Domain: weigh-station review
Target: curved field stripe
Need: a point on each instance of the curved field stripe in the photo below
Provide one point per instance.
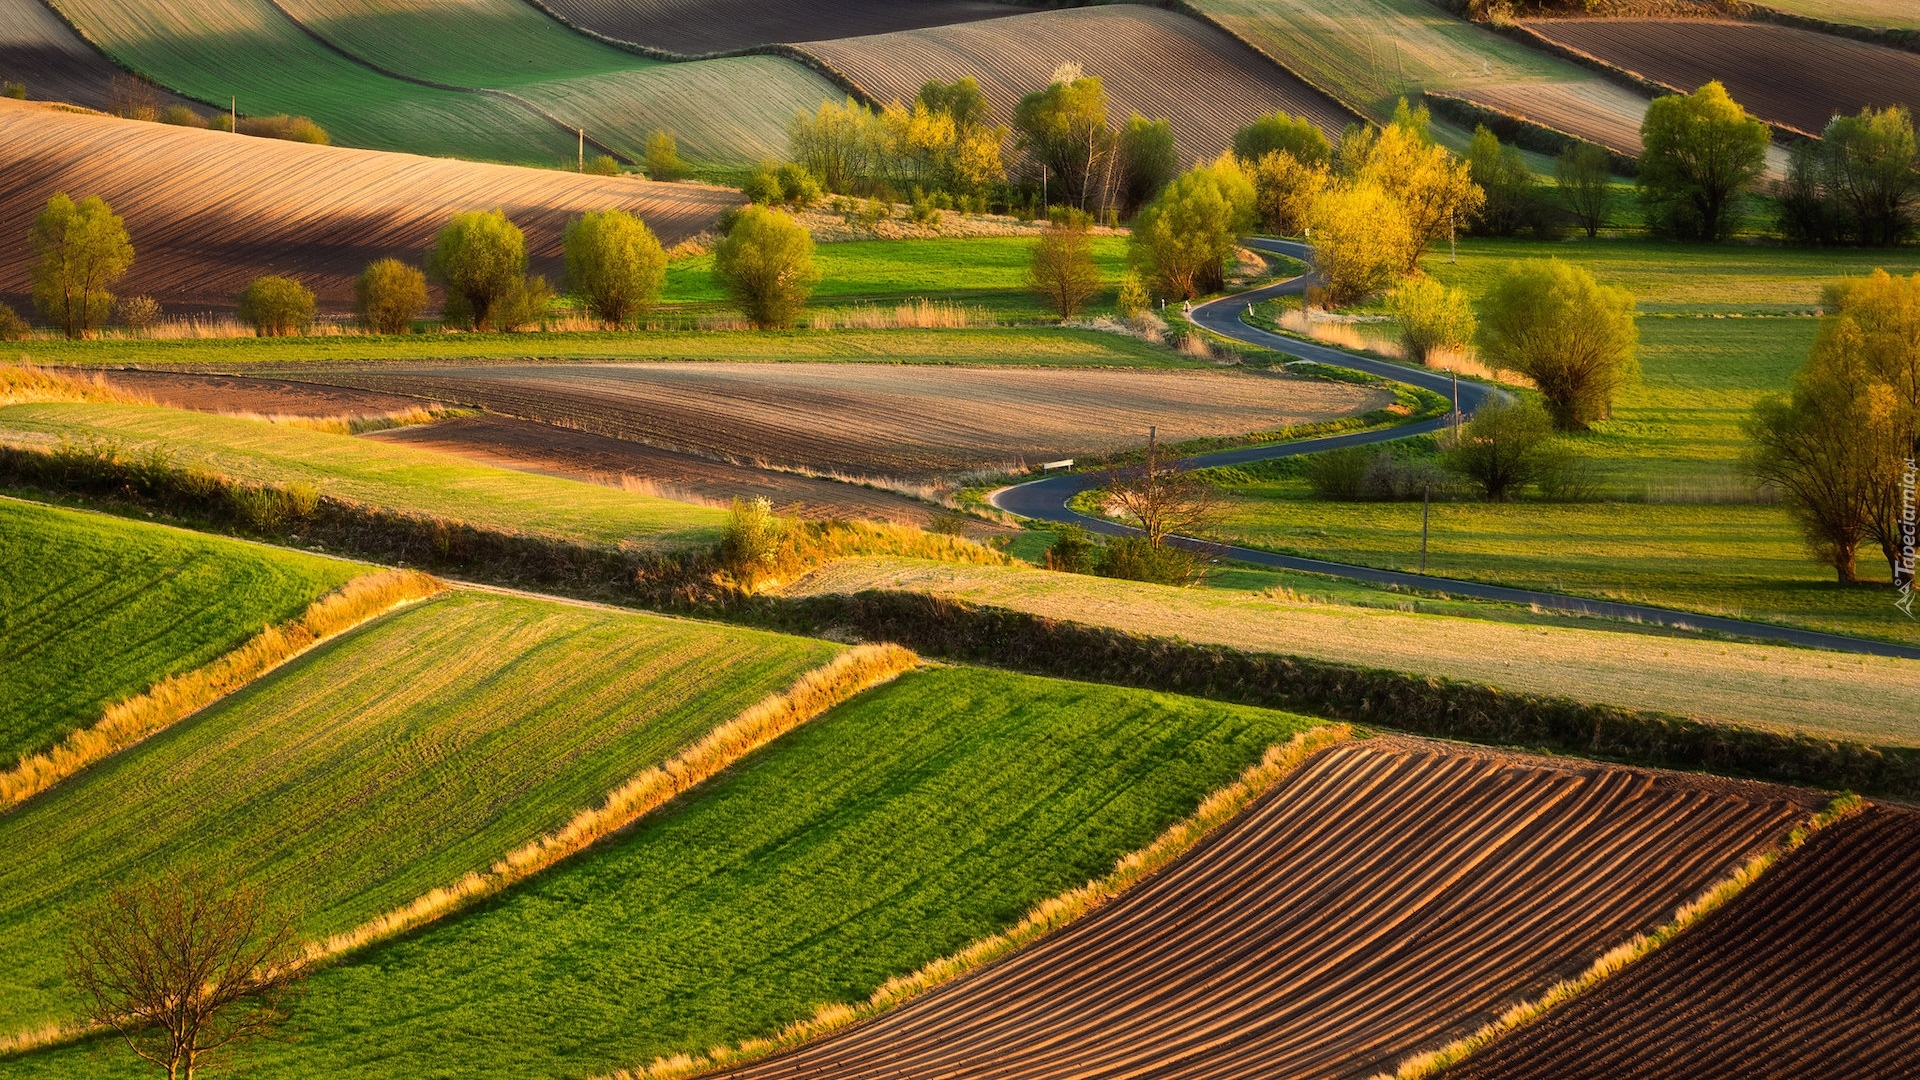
(1809, 974)
(1377, 901)
(209, 211)
(38, 49)
(1154, 62)
(703, 27)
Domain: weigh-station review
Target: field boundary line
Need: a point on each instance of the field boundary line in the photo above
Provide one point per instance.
(852, 672)
(1690, 914)
(1049, 915)
(177, 697)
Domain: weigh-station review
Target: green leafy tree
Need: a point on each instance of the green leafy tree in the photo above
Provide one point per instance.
(1285, 189)
(766, 264)
(1182, 241)
(1585, 175)
(663, 158)
(1297, 137)
(1870, 171)
(960, 100)
(1360, 240)
(1506, 446)
(1575, 338)
(389, 295)
(277, 306)
(1148, 161)
(1511, 202)
(1431, 317)
(1063, 270)
(1435, 190)
(81, 250)
(481, 257)
(1064, 129)
(840, 143)
(1702, 154)
(616, 265)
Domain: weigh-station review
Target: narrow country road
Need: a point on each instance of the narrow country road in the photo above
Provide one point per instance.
(1047, 499)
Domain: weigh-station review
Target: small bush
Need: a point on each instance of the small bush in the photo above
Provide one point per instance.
(182, 116)
(923, 211)
(481, 257)
(752, 540)
(133, 98)
(1133, 300)
(663, 158)
(1431, 318)
(1505, 447)
(12, 326)
(277, 306)
(138, 312)
(298, 129)
(16, 90)
(1134, 558)
(948, 522)
(603, 165)
(615, 264)
(524, 307)
(1338, 475)
(1073, 550)
(763, 185)
(389, 295)
(798, 188)
(766, 265)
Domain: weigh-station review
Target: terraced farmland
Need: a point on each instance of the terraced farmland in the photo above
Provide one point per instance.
(1375, 903)
(209, 211)
(94, 609)
(1794, 78)
(391, 762)
(699, 27)
(879, 419)
(1015, 55)
(1809, 974)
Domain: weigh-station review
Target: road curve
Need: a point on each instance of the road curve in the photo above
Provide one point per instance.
(1046, 499)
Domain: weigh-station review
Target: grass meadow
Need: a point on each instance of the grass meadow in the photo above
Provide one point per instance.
(379, 766)
(94, 609)
(919, 817)
(379, 474)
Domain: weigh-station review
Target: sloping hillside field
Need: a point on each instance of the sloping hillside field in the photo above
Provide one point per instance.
(209, 211)
(1155, 62)
(697, 27)
(1376, 902)
(1813, 973)
(1795, 78)
(37, 49)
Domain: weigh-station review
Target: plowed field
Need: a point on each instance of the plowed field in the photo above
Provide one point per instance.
(210, 211)
(1158, 63)
(1380, 900)
(697, 27)
(38, 49)
(1795, 78)
(877, 419)
(1813, 973)
(1599, 112)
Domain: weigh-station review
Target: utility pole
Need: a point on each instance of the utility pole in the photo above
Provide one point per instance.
(583, 149)
(233, 113)
(1426, 501)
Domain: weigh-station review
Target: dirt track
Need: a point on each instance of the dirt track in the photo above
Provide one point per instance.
(1813, 973)
(1382, 900)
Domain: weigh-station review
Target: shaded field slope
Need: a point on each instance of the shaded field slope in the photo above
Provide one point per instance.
(1794, 78)
(95, 609)
(37, 49)
(392, 761)
(893, 830)
(1381, 899)
(697, 27)
(1810, 974)
(209, 211)
(1159, 63)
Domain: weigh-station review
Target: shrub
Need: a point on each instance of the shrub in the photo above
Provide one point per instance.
(524, 307)
(277, 306)
(138, 312)
(798, 188)
(1183, 240)
(1506, 446)
(1339, 475)
(1575, 338)
(1299, 138)
(1512, 202)
(1063, 271)
(763, 185)
(1135, 558)
(1073, 550)
(603, 165)
(16, 90)
(1133, 300)
(133, 98)
(289, 128)
(12, 326)
(1702, 154)
(663, 158)
(182, 116)
(81, 249)
(751, 542)
(766, 264)
(481, 257)
(1431, 318)
(616, 265)
(389, 295)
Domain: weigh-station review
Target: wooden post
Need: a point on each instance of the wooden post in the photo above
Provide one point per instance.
(1426, 500)
(233, 113)
(583, 149)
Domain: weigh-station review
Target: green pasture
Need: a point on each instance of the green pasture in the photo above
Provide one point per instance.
(919, 817)
(379, 766)
(393, 477)
(95, 609)
(1892, 14)
(499, 44)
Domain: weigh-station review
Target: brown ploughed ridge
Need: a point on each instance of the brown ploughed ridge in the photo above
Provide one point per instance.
(698, 27)
(1795, 78)
(1384, 899)
(1158, 63)
(1813, 973)
(209, 211)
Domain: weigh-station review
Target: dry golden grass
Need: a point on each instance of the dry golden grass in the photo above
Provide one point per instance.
(175, 698)
(353, 423)
(25, 384)
(918, 314)
(1047, 916)
(813, 694)
(1709, 900)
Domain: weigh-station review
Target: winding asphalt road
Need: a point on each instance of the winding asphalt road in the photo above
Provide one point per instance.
(1047, 499)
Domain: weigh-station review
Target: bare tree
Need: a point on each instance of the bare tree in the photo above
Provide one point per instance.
(1163, 497)
(184, 967)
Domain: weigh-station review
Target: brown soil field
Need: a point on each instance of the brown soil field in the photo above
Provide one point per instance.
(1813, 973)
(1596, 111)
(38, 49)
(1794, 78)
(699, 27)
(1384, 898)
(209, 211)
(268, 397)
(878, 420)
(1155, 62)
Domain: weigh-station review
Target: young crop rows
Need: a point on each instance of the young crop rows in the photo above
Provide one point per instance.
(699, 27)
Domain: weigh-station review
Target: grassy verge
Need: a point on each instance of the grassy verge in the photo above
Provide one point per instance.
(369, 771)
(893, 831)
(96, 609)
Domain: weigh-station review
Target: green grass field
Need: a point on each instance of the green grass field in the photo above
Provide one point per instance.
(918, 817)
(94, 609)
(380, 474)
(380, 765)
(987, 345)
(988, 273)
(1896, 14)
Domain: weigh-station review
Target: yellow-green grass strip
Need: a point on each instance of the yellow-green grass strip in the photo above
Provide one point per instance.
(179, 696)
(1710, 899)
(1051, 914)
